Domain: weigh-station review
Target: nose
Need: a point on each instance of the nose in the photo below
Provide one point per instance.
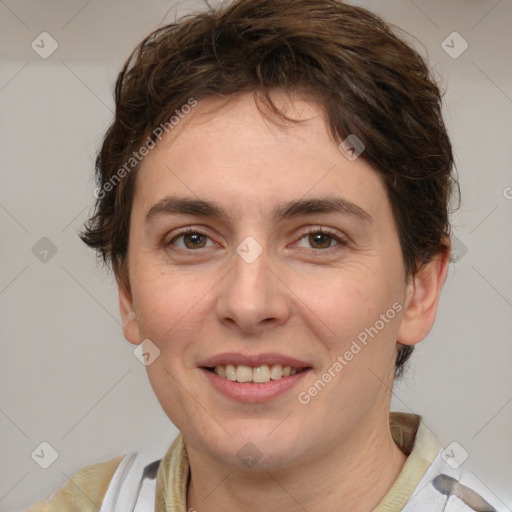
(252, 298)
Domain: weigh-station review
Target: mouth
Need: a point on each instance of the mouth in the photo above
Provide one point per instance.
(254, 374)
(254, 378)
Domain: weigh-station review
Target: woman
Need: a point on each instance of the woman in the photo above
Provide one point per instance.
(273, 198)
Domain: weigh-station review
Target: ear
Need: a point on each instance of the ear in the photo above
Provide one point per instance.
(422, 297)
(130, 327)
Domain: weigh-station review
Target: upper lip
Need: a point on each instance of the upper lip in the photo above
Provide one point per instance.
(254, 360)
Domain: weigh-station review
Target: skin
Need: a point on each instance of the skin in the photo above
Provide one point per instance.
(305, 297)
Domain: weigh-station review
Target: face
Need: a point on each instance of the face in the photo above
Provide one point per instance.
(256, 247)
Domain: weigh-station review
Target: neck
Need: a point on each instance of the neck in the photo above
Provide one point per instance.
(353, 476)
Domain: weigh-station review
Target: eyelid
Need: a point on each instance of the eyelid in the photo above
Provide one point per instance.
(322, 229)
(184, 231)
(341, 239)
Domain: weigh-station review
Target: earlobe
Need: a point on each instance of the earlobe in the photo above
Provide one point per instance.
(422, 299)
(130, 326)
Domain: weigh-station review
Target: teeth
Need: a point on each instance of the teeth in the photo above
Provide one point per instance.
(230, 372)
(259, 374)
(243, 373)
(276, 371)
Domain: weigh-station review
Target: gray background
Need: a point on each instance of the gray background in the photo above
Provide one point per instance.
(68, 376)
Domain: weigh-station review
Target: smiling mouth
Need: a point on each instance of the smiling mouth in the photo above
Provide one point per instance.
(257, 375)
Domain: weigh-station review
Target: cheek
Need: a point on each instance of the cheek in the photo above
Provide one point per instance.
(345, 300)
(169, 306)
(353, 311)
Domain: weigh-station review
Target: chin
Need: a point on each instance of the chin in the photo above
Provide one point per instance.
(262, 447)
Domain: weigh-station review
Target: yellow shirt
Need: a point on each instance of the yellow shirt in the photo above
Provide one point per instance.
(87, 487)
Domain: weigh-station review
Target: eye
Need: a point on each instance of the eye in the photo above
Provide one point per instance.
(321, 238)
(191, 239)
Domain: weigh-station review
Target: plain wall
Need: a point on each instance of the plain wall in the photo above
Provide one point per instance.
(69, 378)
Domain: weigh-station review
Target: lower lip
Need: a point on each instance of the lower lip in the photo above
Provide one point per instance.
(253, 392)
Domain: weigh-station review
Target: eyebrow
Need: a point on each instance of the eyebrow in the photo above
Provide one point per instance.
(174, 205)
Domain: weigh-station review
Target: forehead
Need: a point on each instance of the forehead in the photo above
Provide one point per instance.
(242, 122)
(230, 152)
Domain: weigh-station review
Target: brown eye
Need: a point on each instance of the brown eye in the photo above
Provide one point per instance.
(320, 240)
(190, 239)
(194, 240)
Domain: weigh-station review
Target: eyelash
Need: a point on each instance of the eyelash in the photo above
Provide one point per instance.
(325, 231)
(310, 231)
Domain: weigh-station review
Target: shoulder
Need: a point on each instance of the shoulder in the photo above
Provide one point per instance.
(83, 492)
(466, 492)
(440, 478)
(446, 486)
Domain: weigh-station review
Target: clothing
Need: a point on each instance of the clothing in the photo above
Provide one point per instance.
(427, 483)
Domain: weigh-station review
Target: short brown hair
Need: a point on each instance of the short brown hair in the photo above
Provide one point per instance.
(367, 80)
